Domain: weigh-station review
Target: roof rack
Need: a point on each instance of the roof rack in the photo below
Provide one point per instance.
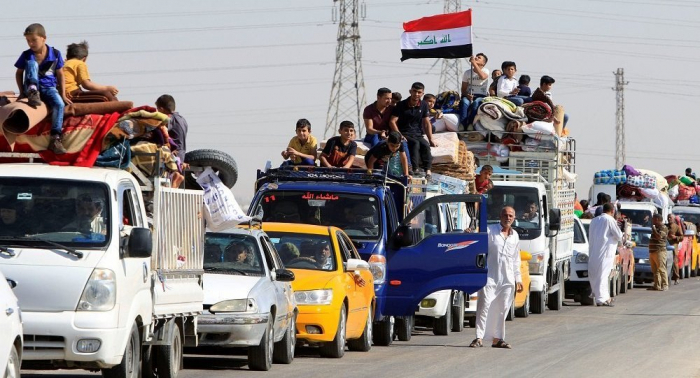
(28, 156)
(303, 173)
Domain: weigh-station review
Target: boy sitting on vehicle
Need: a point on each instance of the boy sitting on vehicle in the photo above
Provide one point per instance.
(483, 180)
(340, 150)
(380, 155)
(76, 76)
(302, 148)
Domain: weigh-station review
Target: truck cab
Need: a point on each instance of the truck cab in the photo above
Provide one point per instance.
(391, 229)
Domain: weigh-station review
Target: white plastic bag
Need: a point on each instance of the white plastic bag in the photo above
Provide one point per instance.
(221, 209)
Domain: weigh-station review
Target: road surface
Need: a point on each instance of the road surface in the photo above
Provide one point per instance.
(647, 334)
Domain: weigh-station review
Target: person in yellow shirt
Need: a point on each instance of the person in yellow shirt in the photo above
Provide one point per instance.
(77, 76)
(302, 149)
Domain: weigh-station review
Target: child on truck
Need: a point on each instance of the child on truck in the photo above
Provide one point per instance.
(177, 126)
(40, 77)
(340, 150)
(77, 76)
(379, 155)
(507, 86)
(302, 148)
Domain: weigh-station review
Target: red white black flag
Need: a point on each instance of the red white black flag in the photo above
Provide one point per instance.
(442, 36)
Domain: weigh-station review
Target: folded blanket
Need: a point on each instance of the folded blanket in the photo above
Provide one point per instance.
(80, 109)
(141, 156)
(496, 110)
(537, 111)
(502, 101)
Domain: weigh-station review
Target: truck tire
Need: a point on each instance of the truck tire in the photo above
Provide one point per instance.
(336, 348)
(364, 343)
(221, 162)
(538, 299)
(554, 302)
(623, 284)
(404, 326)
(284, 349)
(472, 322)
(130, 367)
(13, 364)
(384, 331)
(458, 314)
(260, 357)
(169, 357)
(442, 325)
(524, 312)
(612, 285)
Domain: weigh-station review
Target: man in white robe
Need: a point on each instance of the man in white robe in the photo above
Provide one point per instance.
(603, 238)
(496, 298)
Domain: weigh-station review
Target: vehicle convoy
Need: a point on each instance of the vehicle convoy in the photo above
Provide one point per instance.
(409, 256)
(248, 298)
(333, 287)
(11, 326)
(98, 289)
(545, 179)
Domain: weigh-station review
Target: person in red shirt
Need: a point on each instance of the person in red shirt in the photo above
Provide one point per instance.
(340, 150)
(483, 180)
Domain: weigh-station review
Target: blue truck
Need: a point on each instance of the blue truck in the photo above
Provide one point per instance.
(395, 229)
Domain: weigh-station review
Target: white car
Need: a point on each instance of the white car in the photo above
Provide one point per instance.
(248, 298)
(11, 328)
(578, 287)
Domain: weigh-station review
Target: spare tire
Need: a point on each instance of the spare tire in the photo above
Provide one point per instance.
(221, 162)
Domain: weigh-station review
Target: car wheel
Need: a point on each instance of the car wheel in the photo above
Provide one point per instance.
(130, 367)
(555, 300)
(13, 364)
(284, 349)
(623, 284)
(694, 272)
(364, 343)
(336, 348)
(524, 312)
(384, 331)
(511, 313)
(442, 325)
(404, 326)
(222, 163)
(687, 270)
(538, 302)
(611, 286)
(169, 357)
(260, 357)
(472, 322)
(458, 313)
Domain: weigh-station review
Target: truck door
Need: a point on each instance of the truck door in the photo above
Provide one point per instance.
(424, 257)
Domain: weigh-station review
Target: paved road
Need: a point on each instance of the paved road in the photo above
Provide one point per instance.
(647, 334)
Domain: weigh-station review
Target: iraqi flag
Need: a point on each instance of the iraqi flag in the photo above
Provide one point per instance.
(443, 36)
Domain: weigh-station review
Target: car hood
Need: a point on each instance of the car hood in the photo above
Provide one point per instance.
(221, 287)
(305, 279)
(49, 280)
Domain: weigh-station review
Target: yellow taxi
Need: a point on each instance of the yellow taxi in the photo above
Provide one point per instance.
(521, 303)
(333, 288)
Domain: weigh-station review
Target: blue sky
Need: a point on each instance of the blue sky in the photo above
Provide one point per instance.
(242, 73)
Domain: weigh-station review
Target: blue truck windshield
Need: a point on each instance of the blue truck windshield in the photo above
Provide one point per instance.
(73, 213)
(357, 214)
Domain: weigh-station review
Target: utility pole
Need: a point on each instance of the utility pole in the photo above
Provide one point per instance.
(347, 99)
(620, 155)
(451, 74)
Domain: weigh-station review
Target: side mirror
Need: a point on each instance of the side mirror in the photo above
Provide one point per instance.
(284, 275)
(140, 243)
(401, 237)
(356, 264)
(554, 219)
(11, 283)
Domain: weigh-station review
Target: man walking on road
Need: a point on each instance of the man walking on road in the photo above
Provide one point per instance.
(657, 253)
(675, 236)
(496, 298)
(604, 235)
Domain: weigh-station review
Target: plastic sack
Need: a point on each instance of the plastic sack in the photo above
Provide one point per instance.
(221, 211)
(649, 193)
(630, 171)
(687, 180)
(673, 192)
(501, 152)
(610, 177)
(643, 181)
(448, 122)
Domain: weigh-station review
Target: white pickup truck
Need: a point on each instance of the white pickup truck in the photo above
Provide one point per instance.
(101, 283)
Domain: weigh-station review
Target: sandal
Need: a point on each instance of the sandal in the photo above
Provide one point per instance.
(501, 344)
(476, 343)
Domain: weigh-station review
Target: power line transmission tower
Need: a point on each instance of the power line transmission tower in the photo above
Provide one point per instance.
(620, 154)
(451, 74)
(348, 91)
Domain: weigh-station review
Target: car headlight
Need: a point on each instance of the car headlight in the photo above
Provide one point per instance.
(100, 293)
(377, 265)
(234, 305)
(428, 303)
(581, 258)
(311, 297)
(537, 264)
(642, 261)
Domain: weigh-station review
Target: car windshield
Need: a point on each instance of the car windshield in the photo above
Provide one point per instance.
(523, 200)
(358, 215)
(638, 217)
(304, 251)
(641, 237)
(36, 213)
(232, 254)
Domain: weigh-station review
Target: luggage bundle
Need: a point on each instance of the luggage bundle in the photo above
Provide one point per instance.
(683, 188)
